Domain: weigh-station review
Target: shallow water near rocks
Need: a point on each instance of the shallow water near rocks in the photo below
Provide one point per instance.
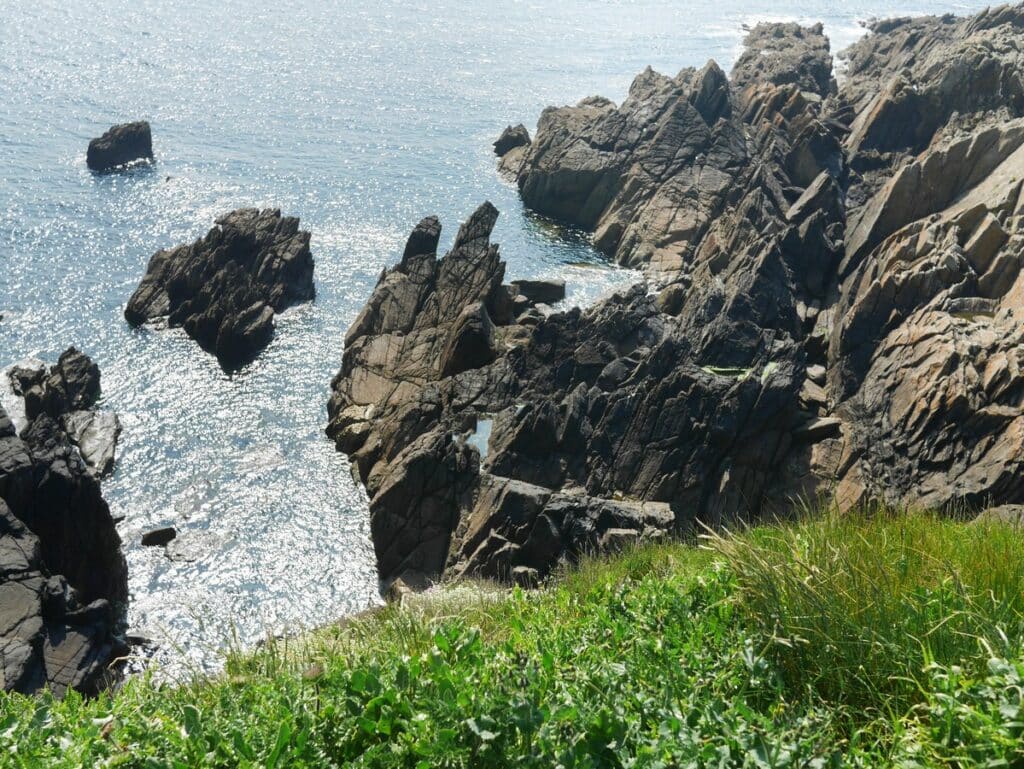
(359, 118)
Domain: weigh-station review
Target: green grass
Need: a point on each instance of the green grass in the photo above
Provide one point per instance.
(858, 606)
(875, 640)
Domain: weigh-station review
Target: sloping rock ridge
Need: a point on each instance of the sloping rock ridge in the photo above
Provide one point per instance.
(225, 288)
(63, 577)
(831, 309)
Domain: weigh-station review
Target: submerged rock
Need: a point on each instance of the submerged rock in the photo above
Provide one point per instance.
(225, 288)
(119, 146)
(833, 307)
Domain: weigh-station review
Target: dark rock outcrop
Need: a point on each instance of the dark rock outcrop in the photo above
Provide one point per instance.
(121, 145)
(511, 138)
(831, 308)
(577, 404)
(159, 537)
(67, 393)
(225, 288)
(48, 635)
(62, 574)
(73, 384)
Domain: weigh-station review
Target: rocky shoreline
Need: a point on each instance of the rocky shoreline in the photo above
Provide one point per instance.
(63, 578)
(831, 310)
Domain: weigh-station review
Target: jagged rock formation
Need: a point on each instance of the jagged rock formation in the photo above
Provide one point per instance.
(63, 578)
(511, 137)
(225, 288)
(67, 393)
(832, 307)
(121, 145)
(511, 148)
(572, 399)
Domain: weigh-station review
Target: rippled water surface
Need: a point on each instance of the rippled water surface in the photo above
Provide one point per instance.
(360, 118)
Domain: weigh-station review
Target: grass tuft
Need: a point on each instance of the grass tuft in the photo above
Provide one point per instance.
(857, 607)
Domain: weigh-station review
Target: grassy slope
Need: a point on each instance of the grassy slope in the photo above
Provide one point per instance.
(838, 641)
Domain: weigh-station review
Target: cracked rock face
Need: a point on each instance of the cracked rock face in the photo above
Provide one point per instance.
(832, 308)
(63, 579)
(225, 288)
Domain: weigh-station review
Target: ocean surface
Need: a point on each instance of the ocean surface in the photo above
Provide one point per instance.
(360, 118)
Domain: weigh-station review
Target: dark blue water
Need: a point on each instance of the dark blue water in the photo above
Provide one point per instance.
(360, 118)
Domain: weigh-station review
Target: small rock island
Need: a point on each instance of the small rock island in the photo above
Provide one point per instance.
(119, 146)
(225, 288)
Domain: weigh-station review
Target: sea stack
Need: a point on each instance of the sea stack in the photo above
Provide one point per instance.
(225, 288)
(119, 146)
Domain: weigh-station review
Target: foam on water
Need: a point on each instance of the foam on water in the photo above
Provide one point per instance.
(360, 118)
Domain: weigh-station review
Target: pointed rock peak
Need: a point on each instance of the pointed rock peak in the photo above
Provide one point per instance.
(710, 93)
(478, 227)
(711, 69)
(647, 82)
(423, 239)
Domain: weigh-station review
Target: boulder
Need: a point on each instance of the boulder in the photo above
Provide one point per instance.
(225, 288)
(119, 146)
(1009, 514)
(511, 138)
(159, 537)
(540, 291)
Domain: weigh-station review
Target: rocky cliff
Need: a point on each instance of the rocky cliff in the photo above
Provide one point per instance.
(832, 308)
(63, 579)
